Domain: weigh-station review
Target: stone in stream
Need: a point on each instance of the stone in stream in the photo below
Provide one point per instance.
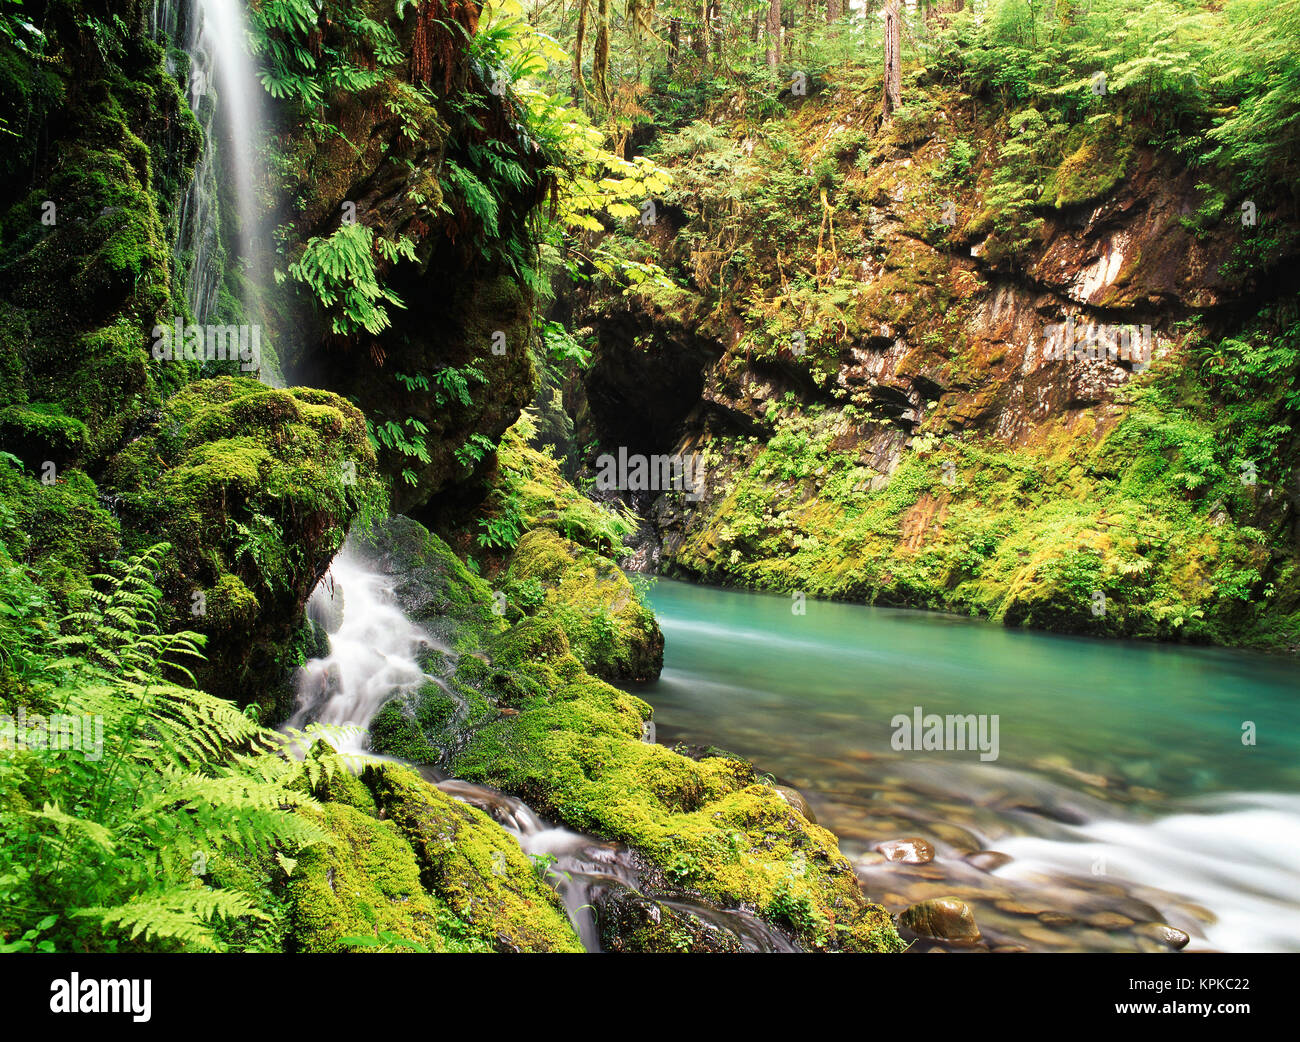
(913, 851)
(945, 918)
(796, 800)
(955, 835)
(1040, 935)
(1164, 934)
(1016, 908)
(630, 922)
(988, 860)
(1109, 921)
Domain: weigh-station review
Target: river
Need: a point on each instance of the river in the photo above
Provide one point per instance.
(1133, 783)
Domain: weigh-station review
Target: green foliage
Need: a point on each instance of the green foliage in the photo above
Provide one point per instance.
(340, 271)
(301, 61)
(108, 843)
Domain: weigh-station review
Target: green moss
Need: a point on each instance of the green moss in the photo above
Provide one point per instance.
(365, 884)
(451, 602)
(1097, 158)
(40, 432)
(474, 866)
(62, 528)
(1033, 536)
(527, 717)
(255, 488)
(577, 752)
(608, 627)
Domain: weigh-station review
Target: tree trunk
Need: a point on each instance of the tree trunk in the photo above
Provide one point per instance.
(600, 54)
(773, 34)
(893, 100)
(834, 11)
(579, 87)
(674, 41)
(702, 43)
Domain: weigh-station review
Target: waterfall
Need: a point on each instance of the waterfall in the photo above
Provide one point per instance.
(227, 98)
(375, 654)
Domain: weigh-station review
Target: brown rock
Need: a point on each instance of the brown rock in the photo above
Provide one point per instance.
(1164, 934)
(988, 860)
(942, 917)
(1109, 921)
(913, 851)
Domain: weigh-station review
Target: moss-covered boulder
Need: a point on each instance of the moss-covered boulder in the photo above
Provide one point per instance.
(410, 867)
(608, 628)
(255, 488)
(431, 584)
(473, 865)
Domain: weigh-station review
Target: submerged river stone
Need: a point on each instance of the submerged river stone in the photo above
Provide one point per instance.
(631, 922)
(945, 918)
(1164, 934)
(913, 851)
(796, 800)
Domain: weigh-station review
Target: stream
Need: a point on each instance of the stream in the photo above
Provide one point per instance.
(1122, 793)
(375, 654)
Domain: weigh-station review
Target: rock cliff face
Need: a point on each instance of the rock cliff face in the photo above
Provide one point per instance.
(111, 449)
(853, 308)
(465, 307)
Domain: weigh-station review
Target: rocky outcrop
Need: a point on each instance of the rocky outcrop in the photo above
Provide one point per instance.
(866, 397)
(460, 339)
(255, 489)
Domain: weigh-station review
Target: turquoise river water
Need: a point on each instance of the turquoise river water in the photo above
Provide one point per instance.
(1122, 793)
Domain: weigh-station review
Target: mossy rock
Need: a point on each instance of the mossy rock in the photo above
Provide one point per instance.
(632, 922)
(87, 267)
(61, 527)
(38, 434)
(474, 866)
(608, 628)
(255, 488)
(410, 867)
(365, 884)
(431, 584)
(1096, 160)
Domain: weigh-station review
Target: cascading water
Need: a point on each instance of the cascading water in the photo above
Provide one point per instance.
(226, 96)
(375, 655)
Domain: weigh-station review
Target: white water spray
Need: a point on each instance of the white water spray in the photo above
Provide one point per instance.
(226, 94)
(1236, 854)
(374, 655)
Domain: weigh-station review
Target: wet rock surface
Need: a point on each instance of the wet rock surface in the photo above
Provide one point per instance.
(947, 918)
